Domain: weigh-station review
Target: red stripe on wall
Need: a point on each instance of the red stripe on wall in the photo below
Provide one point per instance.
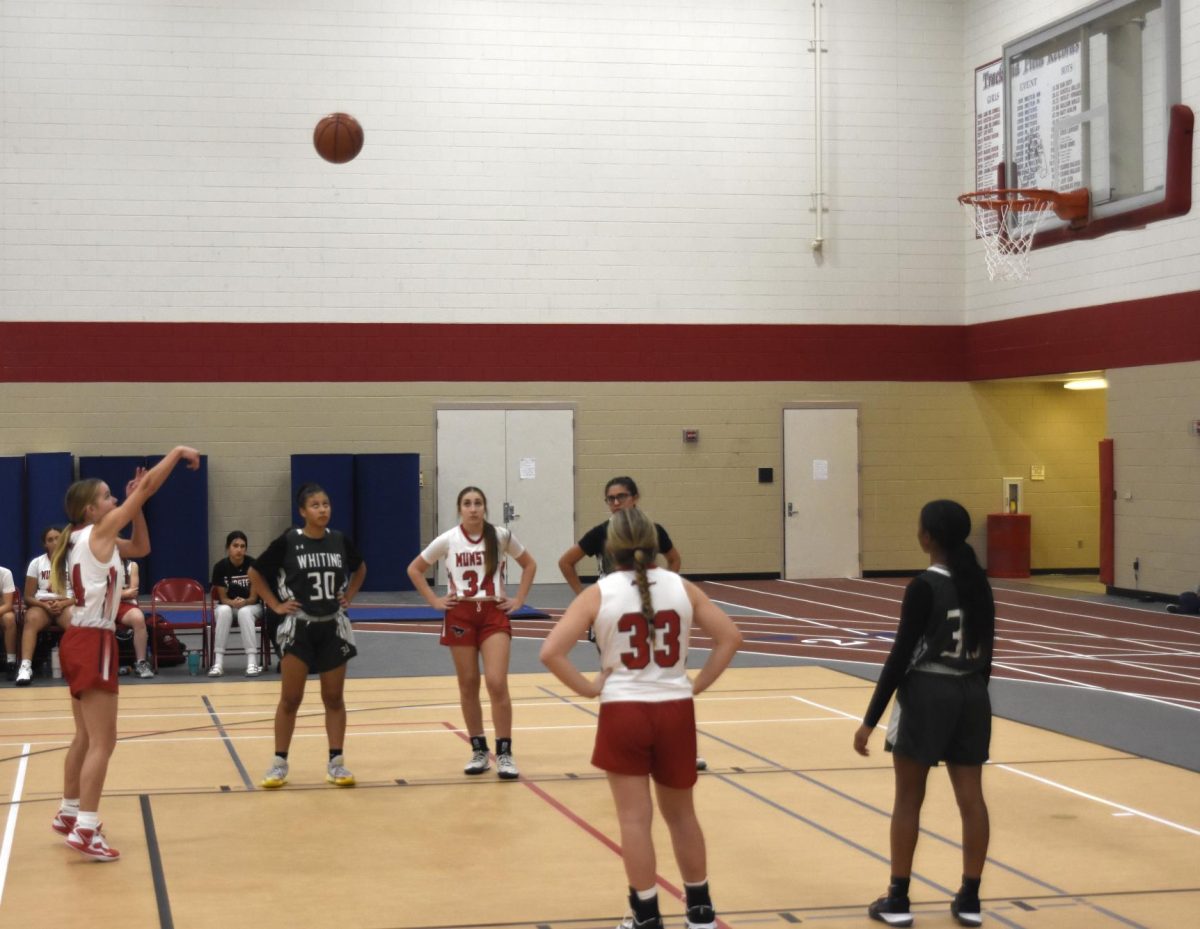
(1156, 330)
(1138, 332)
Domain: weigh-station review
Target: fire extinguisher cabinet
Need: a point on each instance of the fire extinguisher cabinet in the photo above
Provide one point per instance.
(1008, 544)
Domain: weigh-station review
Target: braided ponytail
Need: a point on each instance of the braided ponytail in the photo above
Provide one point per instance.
(633, 545)
(643, 584)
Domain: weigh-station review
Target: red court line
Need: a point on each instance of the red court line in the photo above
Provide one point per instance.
(582, 823)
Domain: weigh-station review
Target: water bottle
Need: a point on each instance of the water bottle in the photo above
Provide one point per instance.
(193, 662)
(55, 665)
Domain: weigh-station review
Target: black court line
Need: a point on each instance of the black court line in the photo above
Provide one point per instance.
(165, 920)
(228, 744)
(801, 914)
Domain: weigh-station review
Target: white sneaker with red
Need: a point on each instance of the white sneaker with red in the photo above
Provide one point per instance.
(63, 823)
(90, 842)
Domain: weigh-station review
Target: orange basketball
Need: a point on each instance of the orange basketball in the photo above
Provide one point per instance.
(338, 138)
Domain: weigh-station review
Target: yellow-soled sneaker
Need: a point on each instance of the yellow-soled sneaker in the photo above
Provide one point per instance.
(276, 776)
(336, 773)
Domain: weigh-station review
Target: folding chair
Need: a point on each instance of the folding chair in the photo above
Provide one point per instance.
(182, 604)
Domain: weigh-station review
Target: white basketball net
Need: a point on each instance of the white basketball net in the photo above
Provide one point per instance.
(1006, 224)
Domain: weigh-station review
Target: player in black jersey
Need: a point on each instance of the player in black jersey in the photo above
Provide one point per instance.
(938, 669)
(621, 493)
(309, 576)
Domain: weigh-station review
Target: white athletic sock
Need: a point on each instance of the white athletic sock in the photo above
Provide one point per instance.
(646, 895)
(88, 821)
(12, 659)
(70, 807)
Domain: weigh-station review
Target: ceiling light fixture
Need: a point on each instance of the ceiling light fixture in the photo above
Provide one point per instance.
(1087, 383)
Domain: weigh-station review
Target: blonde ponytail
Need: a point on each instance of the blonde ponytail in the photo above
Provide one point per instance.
(80, 496)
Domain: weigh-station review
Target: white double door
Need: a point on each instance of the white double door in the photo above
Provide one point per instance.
(524, 462)
(821, 493)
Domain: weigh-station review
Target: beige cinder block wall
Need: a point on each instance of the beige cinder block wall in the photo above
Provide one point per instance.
(917, 442)
(1157, 475)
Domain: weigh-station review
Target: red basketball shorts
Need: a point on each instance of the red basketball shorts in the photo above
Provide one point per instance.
(89, 659)
(656, 739)
(124, 607)
(472, 621)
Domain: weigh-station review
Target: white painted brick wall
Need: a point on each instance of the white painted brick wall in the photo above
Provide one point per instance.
(526, 161)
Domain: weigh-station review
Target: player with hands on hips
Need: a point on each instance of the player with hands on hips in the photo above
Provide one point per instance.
(476, 623)
(938, 668)
(642, 616)
(90, 554)
(310, 576)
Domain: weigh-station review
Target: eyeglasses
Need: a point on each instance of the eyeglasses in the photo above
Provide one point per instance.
(617, 498)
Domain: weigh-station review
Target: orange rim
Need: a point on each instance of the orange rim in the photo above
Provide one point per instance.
(1070, 206)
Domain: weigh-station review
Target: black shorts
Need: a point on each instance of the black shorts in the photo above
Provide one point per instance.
(321, 644)
(941, 717)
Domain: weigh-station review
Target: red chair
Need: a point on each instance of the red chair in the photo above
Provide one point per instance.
(182, 604)
(232, 648)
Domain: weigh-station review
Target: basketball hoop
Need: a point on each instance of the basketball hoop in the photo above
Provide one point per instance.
(1006, 220)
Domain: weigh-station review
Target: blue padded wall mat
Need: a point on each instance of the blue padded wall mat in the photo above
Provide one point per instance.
(387, 519)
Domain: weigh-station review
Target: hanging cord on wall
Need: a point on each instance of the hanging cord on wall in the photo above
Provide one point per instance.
(817, 48)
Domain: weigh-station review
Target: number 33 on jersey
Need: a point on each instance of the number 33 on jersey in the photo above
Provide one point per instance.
(648, 658)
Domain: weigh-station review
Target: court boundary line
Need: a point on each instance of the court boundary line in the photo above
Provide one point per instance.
(10, 827)
(854, 800)
(563, 810)
(237, 761)
(158, 877)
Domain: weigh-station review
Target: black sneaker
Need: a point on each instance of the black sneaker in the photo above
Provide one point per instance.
(891, 910)
(966, 910)
(1172, 607)
(629, 921)
(701, 917)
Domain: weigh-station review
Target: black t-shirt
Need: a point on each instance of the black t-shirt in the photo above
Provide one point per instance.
(313, 571)
(594, 540)
(235, 579)
(933, 630)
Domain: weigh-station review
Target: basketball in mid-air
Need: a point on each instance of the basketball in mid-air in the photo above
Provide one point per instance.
(338, 137)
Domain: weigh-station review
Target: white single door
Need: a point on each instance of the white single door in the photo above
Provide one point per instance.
(820, 488)
(524, 462)
(541, 486)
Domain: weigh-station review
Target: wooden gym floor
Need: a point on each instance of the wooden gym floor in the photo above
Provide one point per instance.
(796, 823)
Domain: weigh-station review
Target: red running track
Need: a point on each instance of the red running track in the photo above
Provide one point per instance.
(1039, 636)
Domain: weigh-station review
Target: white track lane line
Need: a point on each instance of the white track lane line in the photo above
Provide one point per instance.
(1029, 606)
(1125, 810)
(14, 809)
(1130, 664)
(1110, 803)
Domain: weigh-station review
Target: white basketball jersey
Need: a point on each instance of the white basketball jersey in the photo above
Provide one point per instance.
(40, 568)
(464, 558)
(649, 663)
(97, 584)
